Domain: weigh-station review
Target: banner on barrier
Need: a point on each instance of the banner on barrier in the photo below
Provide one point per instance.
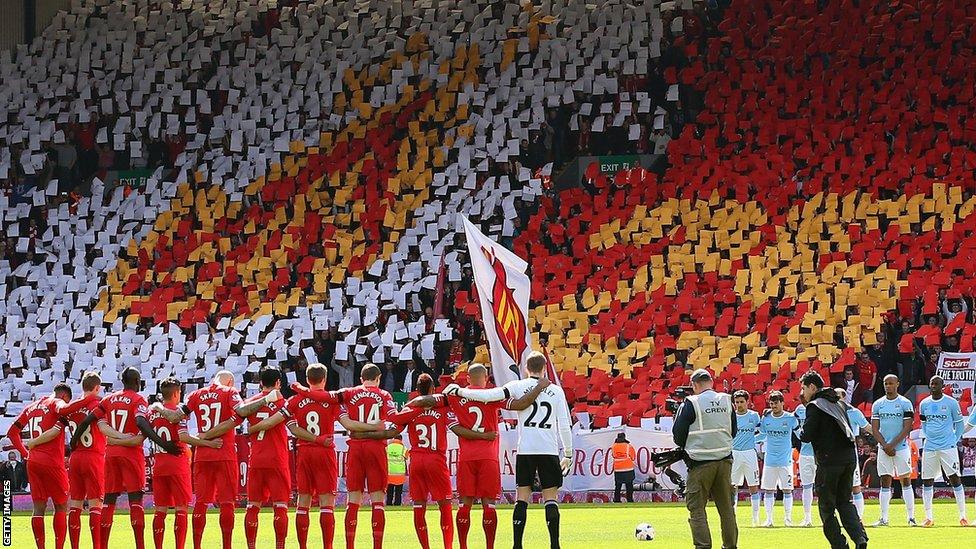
(958, 370)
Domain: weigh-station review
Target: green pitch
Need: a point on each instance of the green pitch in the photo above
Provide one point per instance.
(583, 527)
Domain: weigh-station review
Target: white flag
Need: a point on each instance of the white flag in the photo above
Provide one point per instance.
(503, 288)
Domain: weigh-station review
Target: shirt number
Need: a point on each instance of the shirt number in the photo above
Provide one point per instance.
(478, 418)
(209, 416)
(261, 417)
(374, 414)
(312, 419)
(544, 424)
(86, 438)
(163, 433)
(119, 419)
(426, 437)
(34, 426)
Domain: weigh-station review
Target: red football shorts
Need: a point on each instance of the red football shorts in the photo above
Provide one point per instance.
(317, 469)
(124, 475)
(86, 476)
(172, 490)
(47, 481)
(366, 467)
(481, 479)
(268, 484)
(430, 479)
(216, 481)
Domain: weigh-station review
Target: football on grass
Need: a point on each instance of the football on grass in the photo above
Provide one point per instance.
(644, 532)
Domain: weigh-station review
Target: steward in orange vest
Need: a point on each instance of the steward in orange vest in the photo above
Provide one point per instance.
(623, 467)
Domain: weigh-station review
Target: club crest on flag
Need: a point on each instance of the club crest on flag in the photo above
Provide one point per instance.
(503, 292)
(509, 320)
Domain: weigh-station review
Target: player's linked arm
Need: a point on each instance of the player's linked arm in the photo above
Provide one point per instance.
(76, 405)
(187, 438)
(46, 436)
(265, 424)
(466, 433)
(354, 426)
(80, 431)
(172, 416)
(303, 434)
(249, 408)
(146, 429)
(218, 430)
(378, 435)
(110, 432)
(13, 433)
(527, 399)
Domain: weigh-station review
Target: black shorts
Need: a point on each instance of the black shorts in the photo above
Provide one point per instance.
(527, 466)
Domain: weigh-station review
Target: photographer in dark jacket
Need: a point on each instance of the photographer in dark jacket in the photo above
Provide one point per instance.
(829, 430)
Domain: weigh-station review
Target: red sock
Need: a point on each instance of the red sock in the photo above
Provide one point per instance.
(379, 524)
(463, 524)
(251, 525)
(74, 526)
(199, 524)
(420, 525)
(137, 517)
(180, 527)
(327, 524)
(490, 522)
(159, 528)
(227, 524)
(108, 515)
(60, 528)
(352, 519)
(95, 526)
(281, 525)
(447, 524)
(37, 525)
(301, 527)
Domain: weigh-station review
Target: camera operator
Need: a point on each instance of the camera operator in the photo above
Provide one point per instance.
(705, 426)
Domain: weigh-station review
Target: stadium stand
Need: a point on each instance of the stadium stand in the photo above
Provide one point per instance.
(306, 182)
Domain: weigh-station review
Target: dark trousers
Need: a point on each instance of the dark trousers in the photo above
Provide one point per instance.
(394, 494)
(620, 479)
(833, 485)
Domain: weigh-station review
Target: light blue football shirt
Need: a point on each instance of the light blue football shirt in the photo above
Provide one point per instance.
(778, 432)
(806, 448)
(745, 434)
(857, 420)
(891, 415)
(942, 422)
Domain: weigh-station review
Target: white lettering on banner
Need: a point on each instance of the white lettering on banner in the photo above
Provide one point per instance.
(592, 460)
(958, 370)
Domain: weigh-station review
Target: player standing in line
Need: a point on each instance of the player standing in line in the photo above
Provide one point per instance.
(745, 459)
(430, 478)
(808, 470)
(543, 429)
(86, 465)
(310, 416)
(268, 471)
(858, 422)
(942, 425)
(44, 455)
(125, 465)
(171, 474)
(479, 469)
(971, 420)
(776, 427)
(366, 465)
(218, 409)
(891, 419)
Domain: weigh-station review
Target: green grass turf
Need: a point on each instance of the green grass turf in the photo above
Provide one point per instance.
(583, 527)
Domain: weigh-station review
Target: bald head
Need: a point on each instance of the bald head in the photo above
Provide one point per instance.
(225, 378)
(477, 375)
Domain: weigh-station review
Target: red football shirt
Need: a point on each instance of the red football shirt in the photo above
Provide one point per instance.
(120, 410)
(481, 417)
(92, 443)
(164, 463)
(37, 417)
(426, 429)
(269, 448)
(213, 405)
(368, 405)
(318, 418)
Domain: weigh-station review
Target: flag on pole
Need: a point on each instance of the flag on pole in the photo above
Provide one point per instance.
(503, 290)
(439, 291)
(551, 372)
